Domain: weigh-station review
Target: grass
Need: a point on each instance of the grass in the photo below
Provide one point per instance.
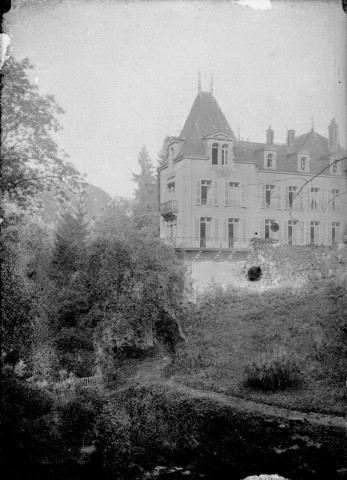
(230, 331)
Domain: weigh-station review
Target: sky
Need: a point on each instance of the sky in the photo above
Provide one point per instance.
(126, 73)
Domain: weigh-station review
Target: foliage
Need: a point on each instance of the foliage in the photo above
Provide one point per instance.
(275, 371)
(27, 291)
(236, 326)
(27, 425)
(297, 266)
(115, 221)
(145, 206)
(31, 159)
(114, 443)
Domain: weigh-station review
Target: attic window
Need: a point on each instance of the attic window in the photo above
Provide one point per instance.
(269, 160)
(225, 154)
(303, 164)
(215, 148)
(334, 168)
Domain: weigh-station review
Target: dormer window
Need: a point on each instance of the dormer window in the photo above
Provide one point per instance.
(215, 148)
(335, 168)
(225, 151)
(269, 160)
(270, 157)
(303, 164)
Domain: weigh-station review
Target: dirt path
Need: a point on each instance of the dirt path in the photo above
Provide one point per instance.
(140, 373)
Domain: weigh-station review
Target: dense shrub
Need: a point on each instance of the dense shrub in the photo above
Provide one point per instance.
(275, 371)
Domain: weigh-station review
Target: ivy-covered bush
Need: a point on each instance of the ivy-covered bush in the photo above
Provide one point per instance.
(295, 266)
(273, 371)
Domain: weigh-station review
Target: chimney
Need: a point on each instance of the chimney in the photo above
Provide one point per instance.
(332, 143)
(290, 138)
(269, 136)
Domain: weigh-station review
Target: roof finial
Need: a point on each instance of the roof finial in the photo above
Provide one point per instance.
(312, 126)
(238, 133)
(199, 83)
(211, 85)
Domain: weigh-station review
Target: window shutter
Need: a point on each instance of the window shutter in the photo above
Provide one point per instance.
(325, 201)
(225, 230)
(285, 232)
(339, 234)
(263, 195)
(286, 198)
(295, 234)
(280, 231)
(301, 200)
(323, 233)
(243, 231)
(226, 194)
(243, 195)
(329, 201)
(198, 192)
(197, 229)
(208, 231)
(279, 197)
(215, 193)
(337, 203)
(237, 234)
(308, 198)
(307, 232)
(216, 230)
(301, 233)
(329, 233)
(262, 229)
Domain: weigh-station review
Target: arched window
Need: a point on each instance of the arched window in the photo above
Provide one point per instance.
(215, 148)
(303, 163)
(269, 161)
(225, 154)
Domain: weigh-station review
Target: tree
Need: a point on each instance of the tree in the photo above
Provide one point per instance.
(145, 211)
(31, 159)
(115, 221)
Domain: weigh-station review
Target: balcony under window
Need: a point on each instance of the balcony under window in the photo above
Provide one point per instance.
(169, 209)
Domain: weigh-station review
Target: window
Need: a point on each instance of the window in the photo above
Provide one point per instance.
(171, 187)
(291, 194)
(206, 192)
(225, 159)
(234, 194)
(292, 232)
(335, 232)
(233, 231)
(205, 231)
(269, 160)
(269, 195)
(314, 199)
(335, 207)
(268, 228)
(314, 233)
(303, 164)
(215, 148)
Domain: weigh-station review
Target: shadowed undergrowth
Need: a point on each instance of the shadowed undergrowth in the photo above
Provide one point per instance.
(274, 347)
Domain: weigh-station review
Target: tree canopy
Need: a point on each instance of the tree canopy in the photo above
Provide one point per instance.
(145, 211)
(31, 158)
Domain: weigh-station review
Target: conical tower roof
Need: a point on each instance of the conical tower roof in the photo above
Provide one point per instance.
(205, 118)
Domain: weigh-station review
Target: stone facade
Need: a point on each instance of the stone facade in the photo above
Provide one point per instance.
(217, 192)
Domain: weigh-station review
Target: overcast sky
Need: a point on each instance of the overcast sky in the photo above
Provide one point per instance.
(126, 72)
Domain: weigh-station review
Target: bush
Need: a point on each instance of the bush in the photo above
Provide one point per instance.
(275, 371)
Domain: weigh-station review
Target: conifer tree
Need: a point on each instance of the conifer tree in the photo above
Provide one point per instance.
(145, 211)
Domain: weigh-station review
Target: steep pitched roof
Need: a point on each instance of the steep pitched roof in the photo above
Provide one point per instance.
(313, 142)
(205, 118)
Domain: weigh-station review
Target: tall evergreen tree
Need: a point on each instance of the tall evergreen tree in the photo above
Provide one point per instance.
(145, 211)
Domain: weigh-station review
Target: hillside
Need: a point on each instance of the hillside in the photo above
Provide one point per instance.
(96, 200)
(229, 330)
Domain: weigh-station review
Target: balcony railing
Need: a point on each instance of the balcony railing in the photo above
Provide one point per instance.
(206, 243)
(168, 208)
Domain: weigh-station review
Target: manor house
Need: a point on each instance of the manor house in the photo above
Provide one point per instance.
(217, 192)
